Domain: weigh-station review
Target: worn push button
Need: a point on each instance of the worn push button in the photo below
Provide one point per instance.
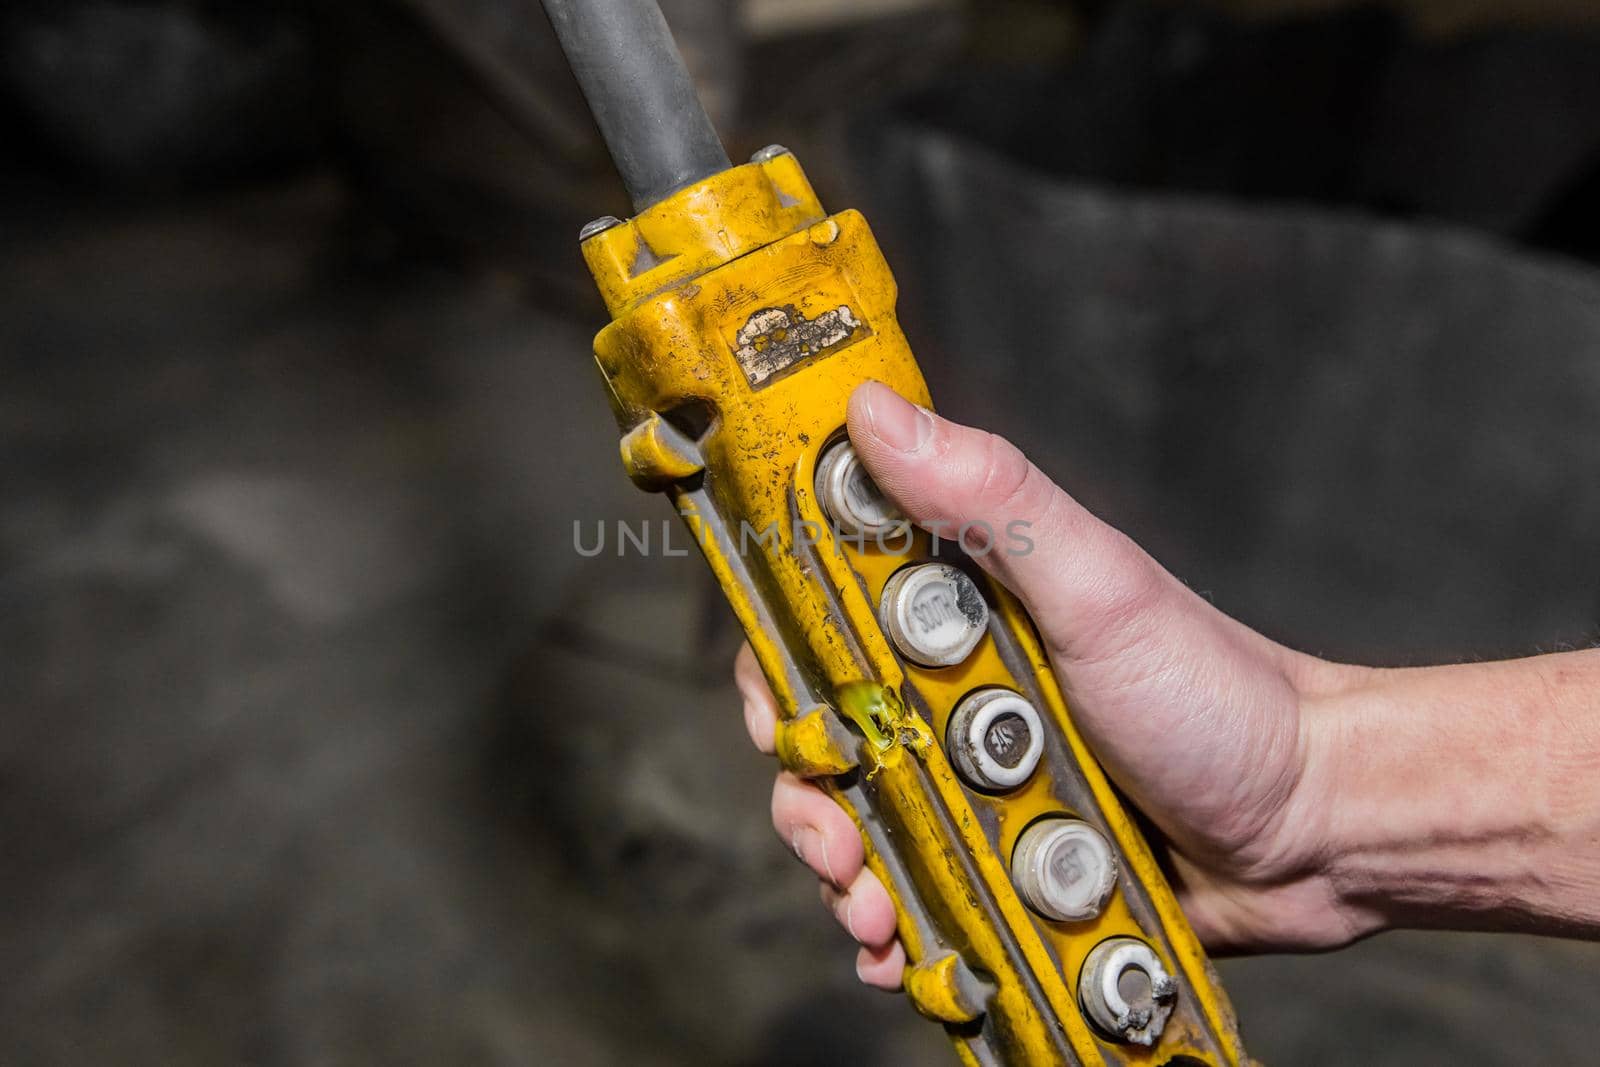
(934, 613)
(995, 739)
(850, 497)
(1126, 992)
(1064, 869)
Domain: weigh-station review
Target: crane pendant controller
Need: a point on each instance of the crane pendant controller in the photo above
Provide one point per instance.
(1037, 925)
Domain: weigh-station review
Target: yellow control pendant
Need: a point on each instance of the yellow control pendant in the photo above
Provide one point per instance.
(1038, 927)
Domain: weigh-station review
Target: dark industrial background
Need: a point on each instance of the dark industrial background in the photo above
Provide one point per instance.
(321, 745)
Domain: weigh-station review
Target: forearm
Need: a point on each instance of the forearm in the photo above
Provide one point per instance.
(1462, 796)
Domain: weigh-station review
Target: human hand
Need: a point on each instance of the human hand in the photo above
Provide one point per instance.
(1196, 717)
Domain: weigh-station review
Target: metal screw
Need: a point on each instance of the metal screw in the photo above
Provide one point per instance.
(1126, 992)
(599, 225)
(772, 151)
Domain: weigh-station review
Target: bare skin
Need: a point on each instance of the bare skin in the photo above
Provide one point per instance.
(1303, 804)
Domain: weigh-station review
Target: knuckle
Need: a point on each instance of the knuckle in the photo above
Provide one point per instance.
(1009, 485)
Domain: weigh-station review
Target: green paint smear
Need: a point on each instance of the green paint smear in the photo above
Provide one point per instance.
(876, 709)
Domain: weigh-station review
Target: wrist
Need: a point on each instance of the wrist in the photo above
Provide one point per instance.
(1458, 797)
(1325, 911)
(1331, 842)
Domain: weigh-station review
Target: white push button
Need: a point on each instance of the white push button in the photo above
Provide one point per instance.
(1064, 869)
(1126, 992)
(934, 614)
(995, 739)
(849, 495)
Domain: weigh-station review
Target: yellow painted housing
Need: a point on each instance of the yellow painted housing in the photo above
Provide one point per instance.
(744, 316)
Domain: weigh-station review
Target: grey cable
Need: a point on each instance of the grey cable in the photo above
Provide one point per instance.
(640, 92)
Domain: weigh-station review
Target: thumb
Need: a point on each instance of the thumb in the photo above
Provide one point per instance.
(1089, 587)
(1193, 714)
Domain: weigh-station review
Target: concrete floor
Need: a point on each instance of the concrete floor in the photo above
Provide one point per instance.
(323, 746)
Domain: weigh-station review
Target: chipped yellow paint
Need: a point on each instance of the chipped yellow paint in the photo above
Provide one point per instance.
(935, 987)
(654, 455)
(744, 317)
(808, 745)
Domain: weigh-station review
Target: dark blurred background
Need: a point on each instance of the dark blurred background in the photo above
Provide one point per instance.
(320, 743)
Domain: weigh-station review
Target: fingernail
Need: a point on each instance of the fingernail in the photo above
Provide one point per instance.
(859, 976)
(896, 421)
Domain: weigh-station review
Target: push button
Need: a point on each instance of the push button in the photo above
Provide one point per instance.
(850, 497)
(934, 614)
(1126, 992)
(1064, 869)
(995, 739)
